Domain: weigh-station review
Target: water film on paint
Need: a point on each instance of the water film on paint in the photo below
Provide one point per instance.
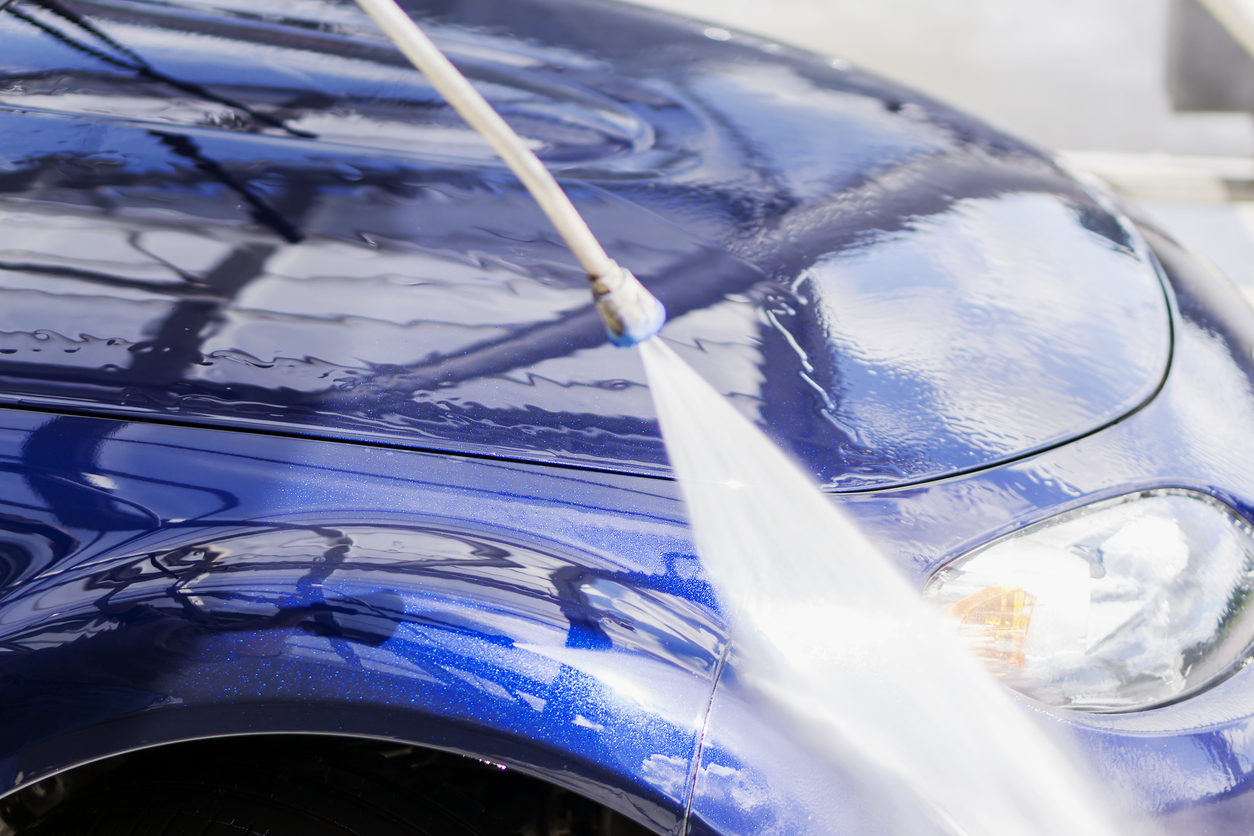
(835, 639)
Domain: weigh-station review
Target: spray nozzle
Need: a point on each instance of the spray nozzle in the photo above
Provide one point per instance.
(632, 314)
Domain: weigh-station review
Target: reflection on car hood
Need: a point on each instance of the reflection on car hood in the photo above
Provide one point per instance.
(255, 215)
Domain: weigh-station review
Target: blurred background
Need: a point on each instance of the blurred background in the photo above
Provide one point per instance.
(1154, 96)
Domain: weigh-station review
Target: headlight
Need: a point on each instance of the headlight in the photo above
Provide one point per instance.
(1121, 605)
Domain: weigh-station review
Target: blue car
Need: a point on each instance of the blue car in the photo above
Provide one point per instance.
(327, 506)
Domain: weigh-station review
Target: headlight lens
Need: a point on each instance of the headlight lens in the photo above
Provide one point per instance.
(1121, 605)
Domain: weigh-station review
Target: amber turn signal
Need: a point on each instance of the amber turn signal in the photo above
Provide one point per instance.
(993, 623)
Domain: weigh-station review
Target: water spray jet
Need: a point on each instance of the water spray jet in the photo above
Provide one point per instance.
(784, 559)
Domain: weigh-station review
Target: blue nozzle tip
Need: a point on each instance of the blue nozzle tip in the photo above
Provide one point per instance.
(642, 328)
(632, 314)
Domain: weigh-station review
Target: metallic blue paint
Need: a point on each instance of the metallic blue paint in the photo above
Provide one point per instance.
(539, 616)
(1190, 763)
(543, 616)
(160, 582)
(265, 219)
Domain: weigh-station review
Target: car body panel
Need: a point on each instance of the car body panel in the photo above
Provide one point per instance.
(558, 614)
(190, 552)
(1186, 764)
(270, 644)
(319, 246)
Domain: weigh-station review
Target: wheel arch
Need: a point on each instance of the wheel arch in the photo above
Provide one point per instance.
(485, 796)
(585, 676)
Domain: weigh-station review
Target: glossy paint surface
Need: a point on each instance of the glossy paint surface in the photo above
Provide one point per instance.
(256, 215)
(163, 583)
(1188, 764)
(224, 222)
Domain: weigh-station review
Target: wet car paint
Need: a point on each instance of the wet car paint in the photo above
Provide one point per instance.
(164, 582)
(325, 587)
(1188, 765)
(386, 588)
(316, 245)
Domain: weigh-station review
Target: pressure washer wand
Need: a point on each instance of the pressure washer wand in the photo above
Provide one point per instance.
(631, 313)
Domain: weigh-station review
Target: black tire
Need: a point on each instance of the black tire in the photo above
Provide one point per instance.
(219, 789)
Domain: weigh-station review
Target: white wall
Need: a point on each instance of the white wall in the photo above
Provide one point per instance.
(1073, 74)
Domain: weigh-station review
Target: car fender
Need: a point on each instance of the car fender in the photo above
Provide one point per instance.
(530, 616)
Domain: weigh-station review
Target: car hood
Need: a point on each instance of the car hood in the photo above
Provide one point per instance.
(255, 215)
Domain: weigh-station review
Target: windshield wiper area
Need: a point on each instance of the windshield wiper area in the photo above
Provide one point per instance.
(110, 51)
